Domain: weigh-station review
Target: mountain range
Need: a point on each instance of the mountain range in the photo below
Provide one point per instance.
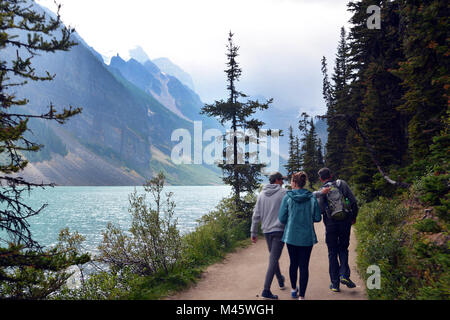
(166, 89)
(123, 135)
(130, 109)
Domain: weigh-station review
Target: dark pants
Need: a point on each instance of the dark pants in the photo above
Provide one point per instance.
(300, 257)
(338, 240)
(275, 246)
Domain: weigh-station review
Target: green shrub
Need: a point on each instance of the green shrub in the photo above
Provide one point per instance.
(29, 274)
(411, 266)
(432, 265)
(427, 225)
(443, 210)
(218, 233)
(380, 243)
(99, 286)
(435, 188)
(153, 260)
(154, 243)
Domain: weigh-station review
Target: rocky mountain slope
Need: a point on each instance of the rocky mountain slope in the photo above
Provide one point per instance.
(123, 135)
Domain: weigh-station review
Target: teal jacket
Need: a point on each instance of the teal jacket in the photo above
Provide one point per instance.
(299, 210)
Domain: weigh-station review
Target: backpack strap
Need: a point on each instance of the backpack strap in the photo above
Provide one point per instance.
(339, 186)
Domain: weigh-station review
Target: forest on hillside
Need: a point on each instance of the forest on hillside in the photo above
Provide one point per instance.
(388, 136)
(387, 98)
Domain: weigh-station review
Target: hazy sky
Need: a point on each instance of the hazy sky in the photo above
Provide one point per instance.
(281, 41)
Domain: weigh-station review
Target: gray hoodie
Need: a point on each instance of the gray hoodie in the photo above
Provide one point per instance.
(267, 208)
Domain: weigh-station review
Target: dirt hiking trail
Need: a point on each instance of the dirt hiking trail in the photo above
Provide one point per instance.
(241, 275)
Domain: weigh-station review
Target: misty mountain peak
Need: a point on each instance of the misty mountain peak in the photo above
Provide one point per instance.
(139, 55)
(116, 60)
(170, 68)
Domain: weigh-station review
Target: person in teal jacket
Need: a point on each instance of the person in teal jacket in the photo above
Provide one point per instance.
(298, 212)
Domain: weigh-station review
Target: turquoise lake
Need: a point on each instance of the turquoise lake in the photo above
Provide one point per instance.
(88, 210)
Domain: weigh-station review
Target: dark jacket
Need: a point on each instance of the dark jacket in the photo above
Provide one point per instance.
(347, 192)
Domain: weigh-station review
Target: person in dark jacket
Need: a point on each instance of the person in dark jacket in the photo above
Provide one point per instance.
(299, 211)
(337, 231)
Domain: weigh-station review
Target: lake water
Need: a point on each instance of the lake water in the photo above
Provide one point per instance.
(88, 210)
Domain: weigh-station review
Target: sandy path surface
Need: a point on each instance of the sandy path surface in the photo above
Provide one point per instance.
(241, 275)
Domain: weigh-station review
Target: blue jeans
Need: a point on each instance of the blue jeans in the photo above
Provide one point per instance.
(338, 241)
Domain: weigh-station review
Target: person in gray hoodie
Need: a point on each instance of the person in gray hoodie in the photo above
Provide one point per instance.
(266, 212)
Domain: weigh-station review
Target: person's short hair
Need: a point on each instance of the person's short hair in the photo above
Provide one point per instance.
(300, 178)
(275, 176)
(325, 173)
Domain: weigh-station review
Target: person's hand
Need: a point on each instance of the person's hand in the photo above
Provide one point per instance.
(353, 222)
(326, 190)
(254, 239)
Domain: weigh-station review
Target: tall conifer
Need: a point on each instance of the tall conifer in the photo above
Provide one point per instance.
(425, 73)
(294, 162)
(240, 174)
(374, 53)
(337, 96)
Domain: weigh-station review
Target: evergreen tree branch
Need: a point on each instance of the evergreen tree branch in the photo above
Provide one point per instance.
(352, 123)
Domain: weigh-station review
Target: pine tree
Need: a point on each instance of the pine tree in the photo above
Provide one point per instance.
(310, 156)
(26, 270)
(242, 177)
(374, 53)
(294, 162)
(298, 155)
(337, 97)
(311, 159)
(320, 162)
(424, 71)
(327, 90)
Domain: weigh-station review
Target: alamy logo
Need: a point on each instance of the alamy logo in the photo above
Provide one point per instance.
(374, 281)
(374, 21)
(252, 147)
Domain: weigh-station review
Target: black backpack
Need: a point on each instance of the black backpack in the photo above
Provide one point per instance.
(338, 206)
